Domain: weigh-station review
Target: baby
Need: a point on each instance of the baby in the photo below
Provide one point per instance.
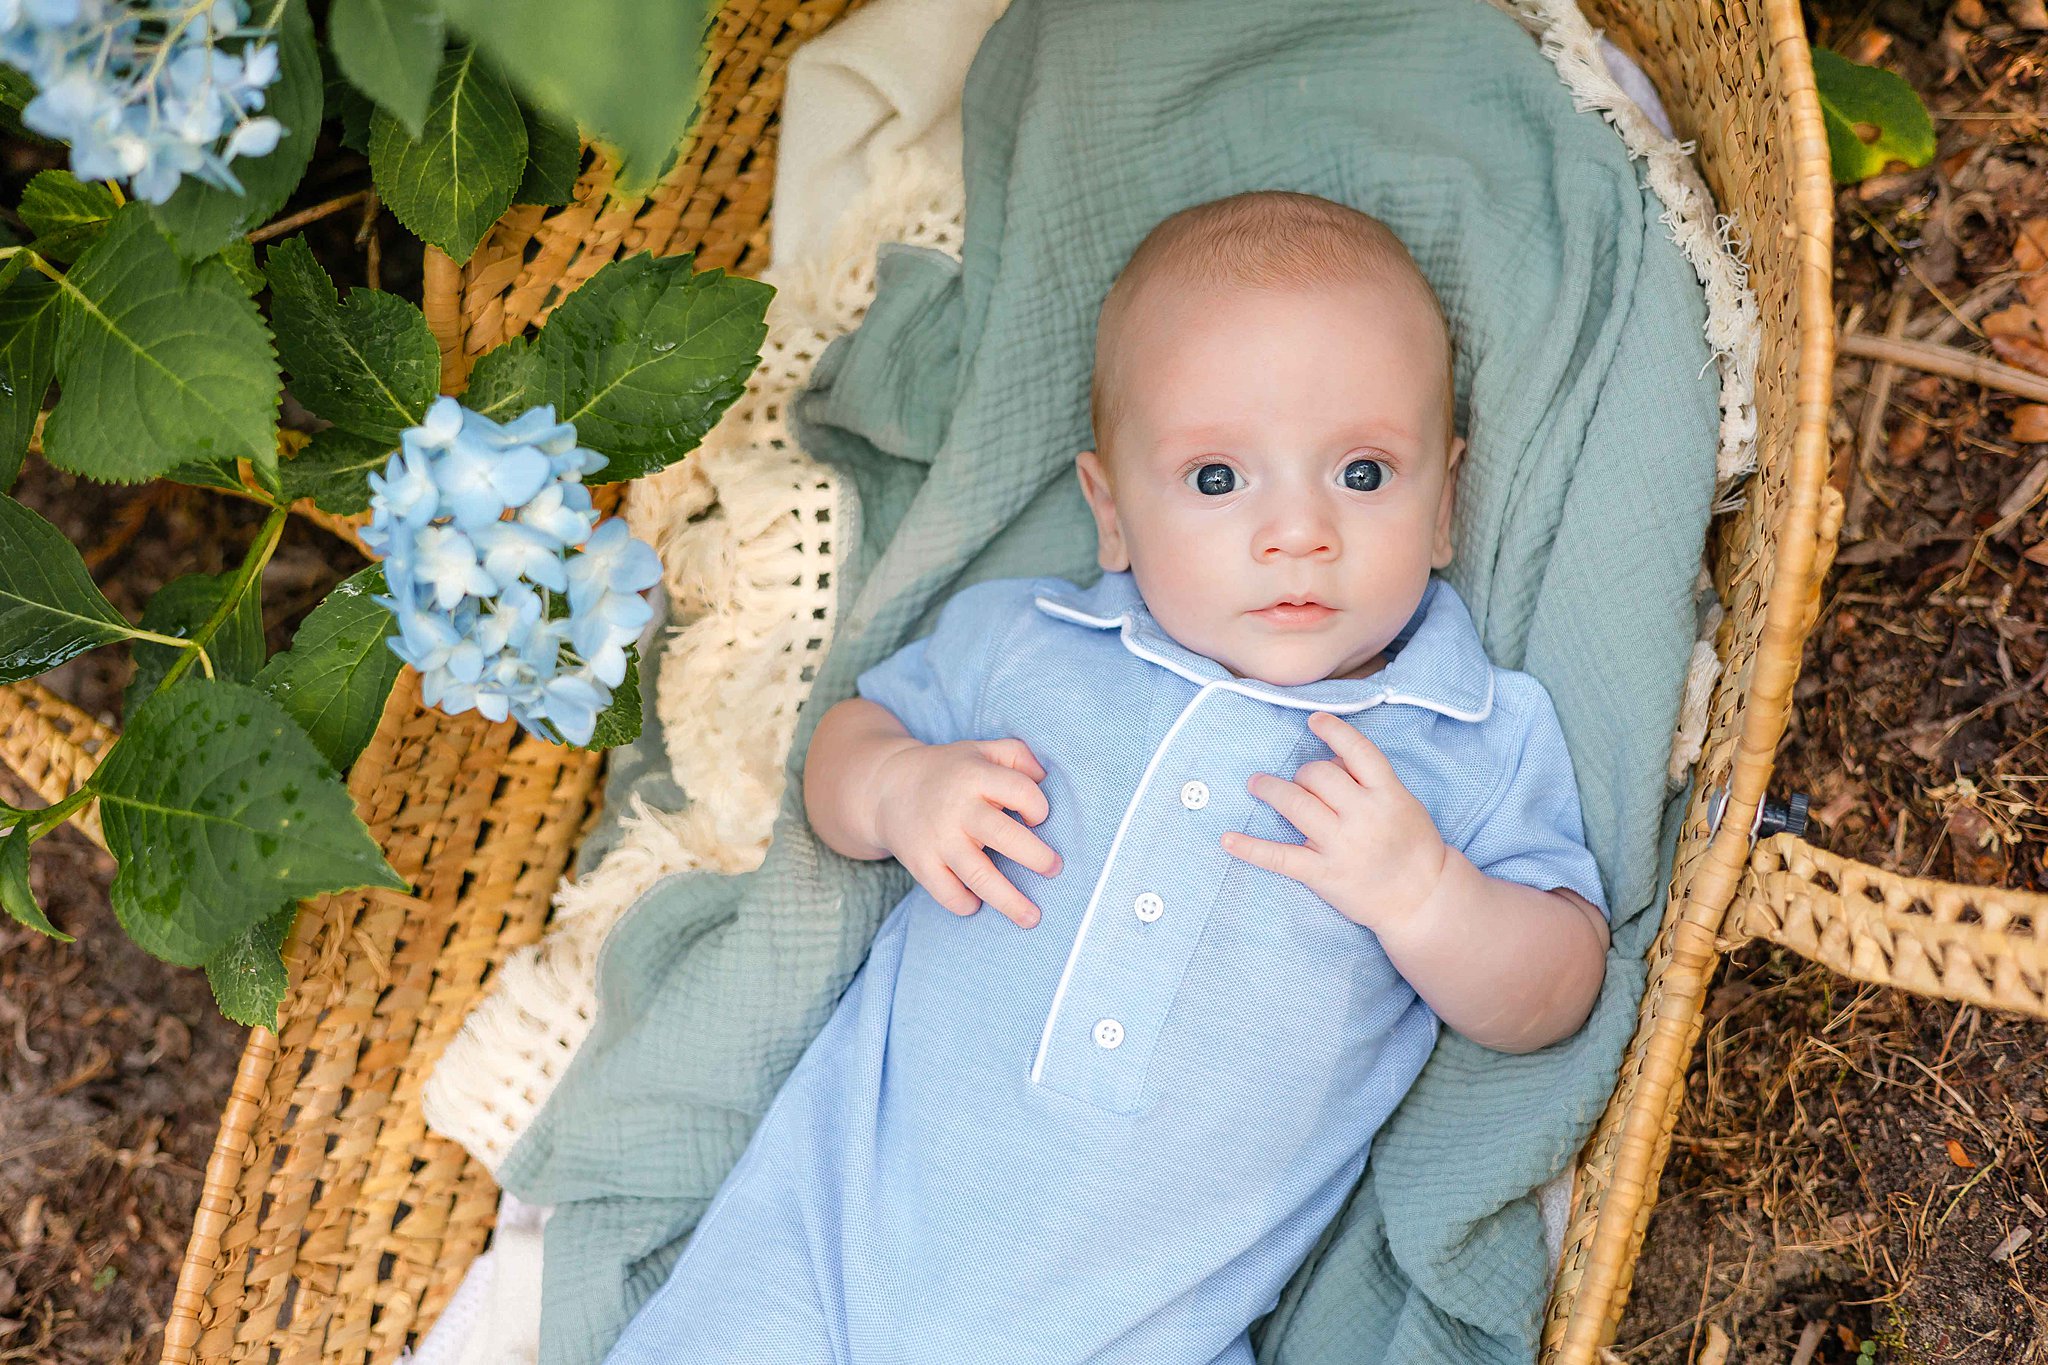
(1276, 816)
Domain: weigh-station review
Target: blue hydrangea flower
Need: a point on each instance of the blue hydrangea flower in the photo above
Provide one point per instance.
(479, 524)
(140, 88)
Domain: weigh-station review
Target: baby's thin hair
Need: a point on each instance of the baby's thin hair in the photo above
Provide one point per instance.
(1259, 239)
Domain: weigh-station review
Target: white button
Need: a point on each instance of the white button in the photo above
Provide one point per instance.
(1108, 1033)
(1194, 795)
(1148, 906)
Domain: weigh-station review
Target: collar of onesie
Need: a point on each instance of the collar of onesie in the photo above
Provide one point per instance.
(1438, 662)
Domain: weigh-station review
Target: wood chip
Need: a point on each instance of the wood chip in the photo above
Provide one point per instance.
(2030, 247)
(2024, 494)
(2023, 352)
(2020, 320)
(2030, 422)
(2014, 1240)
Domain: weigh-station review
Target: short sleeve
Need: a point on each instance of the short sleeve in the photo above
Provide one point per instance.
(1533, 832)
(934, 683)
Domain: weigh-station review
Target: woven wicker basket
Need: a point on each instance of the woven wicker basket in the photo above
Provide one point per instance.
(333, 1226)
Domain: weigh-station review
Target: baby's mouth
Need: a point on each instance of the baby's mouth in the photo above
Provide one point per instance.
(1293, 614)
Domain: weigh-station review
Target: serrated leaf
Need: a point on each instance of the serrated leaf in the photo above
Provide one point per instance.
(28, 361)
(161, 362)
(16, 896)
(202, 218)
(219, 809)
(368, 364)
(630, 73)
(453, 181)
(248, 975)
(240, 257)
(1873, 118)
(337, 676)
(50, 609)
(390, 50)
(179, 608)
(216, 472)
(505, 381)
(554, 158)
(65, 213)
(619, 722)
(645, 355)
(334, 470)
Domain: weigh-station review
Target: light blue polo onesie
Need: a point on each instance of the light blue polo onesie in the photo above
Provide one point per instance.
(1112, 1137)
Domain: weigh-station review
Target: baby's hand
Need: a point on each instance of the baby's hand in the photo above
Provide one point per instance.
(1373, 852)
(940, 805)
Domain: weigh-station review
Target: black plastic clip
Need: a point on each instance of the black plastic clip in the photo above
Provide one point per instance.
(1772, 816)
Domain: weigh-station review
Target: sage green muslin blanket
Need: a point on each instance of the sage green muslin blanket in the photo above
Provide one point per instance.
(954, 414)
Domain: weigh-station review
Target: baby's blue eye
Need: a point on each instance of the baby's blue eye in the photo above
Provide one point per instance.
(1368, 480)
(1216, 479)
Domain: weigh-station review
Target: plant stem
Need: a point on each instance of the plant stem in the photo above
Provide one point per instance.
(259, 554)
(42, 821)
(283, 225)
(180, 642)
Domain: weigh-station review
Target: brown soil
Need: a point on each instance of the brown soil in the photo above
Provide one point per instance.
(1852, 1164)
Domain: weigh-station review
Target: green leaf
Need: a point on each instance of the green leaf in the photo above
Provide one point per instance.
(50, 609)
(453, 181)
(161, 362)
(645, 355)
(337, 675)
(240, 257)
(389, 50)
(218, 810)
(619, 722)
(28, 361)
(180, 608)
(248, 975)
(16, 90)
(1873, 118)
(65, 213)
(628, 71)
(334, 469)
(343, 102)
(208, 472)
(505, 381)
(554, 158)
(202, 218)
(369, 365)
(16, 896)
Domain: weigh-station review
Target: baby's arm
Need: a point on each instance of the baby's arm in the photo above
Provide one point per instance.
(853, 740)
(1510, 967)
(872, 790)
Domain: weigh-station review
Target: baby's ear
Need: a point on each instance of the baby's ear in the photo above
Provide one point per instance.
(1441, 549)
(1101, 498)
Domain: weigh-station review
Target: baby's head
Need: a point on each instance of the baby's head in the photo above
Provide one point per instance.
(1273, 422)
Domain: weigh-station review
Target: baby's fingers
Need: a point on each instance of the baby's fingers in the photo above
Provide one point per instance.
(948, 890)
(999, 832)
(981, 877)
(1013, 753)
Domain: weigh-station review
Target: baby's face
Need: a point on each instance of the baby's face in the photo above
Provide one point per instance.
(1280, 445)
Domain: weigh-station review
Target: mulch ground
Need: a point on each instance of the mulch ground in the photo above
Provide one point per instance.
(1852, 1164)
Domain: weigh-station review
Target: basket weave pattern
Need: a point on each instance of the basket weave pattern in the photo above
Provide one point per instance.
(334, 1226)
